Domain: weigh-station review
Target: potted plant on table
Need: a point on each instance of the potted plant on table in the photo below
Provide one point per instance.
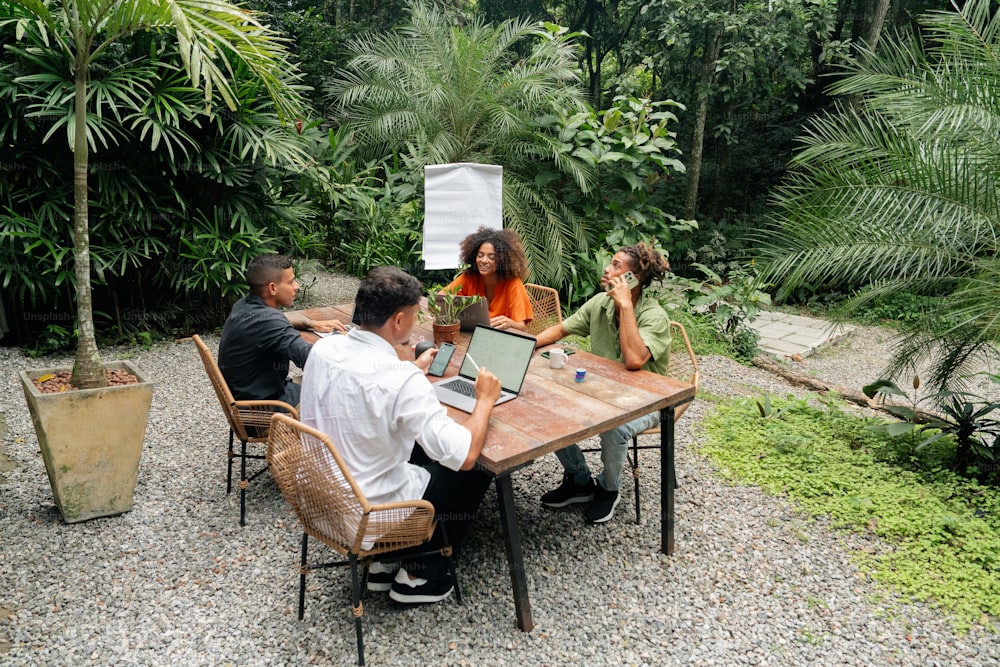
(446, 307)
(91, 422)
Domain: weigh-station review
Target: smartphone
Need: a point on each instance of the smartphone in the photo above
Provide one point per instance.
(630, 280)
(441, 359)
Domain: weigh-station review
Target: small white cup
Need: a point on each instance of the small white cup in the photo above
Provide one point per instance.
(557, 357)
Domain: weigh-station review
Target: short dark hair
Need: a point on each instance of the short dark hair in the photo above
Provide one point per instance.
(647, 263)
(264, 269)
(383, 292)
(507, 248)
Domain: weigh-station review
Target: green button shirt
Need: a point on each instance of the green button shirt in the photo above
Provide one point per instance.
(596, 319)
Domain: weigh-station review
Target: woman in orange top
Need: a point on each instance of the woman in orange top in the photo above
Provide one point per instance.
(497, 268)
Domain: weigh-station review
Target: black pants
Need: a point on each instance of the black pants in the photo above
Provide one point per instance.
(456, 496)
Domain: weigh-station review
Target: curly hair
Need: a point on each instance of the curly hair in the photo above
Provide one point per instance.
(647, 263)
(507, 247)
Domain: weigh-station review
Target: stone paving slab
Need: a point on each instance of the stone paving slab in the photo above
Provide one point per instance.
(786, 335)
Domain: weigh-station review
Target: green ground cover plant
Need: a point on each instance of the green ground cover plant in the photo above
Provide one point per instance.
(941, 531)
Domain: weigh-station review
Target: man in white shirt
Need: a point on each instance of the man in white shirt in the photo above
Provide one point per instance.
(376, 408)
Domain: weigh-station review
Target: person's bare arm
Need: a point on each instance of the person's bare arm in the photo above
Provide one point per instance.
(487, 393)
(504, 322)
(551, 335)
(634, 350)
(303, 323)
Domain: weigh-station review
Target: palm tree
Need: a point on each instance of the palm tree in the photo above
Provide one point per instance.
(440, 90)
(899, 192)
(219, 42)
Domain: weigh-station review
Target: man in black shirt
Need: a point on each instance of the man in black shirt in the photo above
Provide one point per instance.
(258, 340)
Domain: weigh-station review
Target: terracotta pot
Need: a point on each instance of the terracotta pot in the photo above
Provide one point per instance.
(446, 333)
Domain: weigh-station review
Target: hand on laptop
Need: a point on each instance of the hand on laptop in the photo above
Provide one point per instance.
(327, 326)
(501, 322)
(487, 386)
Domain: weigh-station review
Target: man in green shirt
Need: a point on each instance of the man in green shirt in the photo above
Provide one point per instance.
(628, 325)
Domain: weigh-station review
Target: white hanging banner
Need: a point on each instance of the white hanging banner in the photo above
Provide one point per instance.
(458, 199)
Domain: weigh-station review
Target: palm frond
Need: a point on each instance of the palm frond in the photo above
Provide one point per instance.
(902, 192)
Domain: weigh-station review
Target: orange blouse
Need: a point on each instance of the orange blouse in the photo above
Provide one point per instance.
(509, 296)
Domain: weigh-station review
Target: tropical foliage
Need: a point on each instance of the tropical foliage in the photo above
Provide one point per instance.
(124, 80)
(898, 191)
(631, 147)
(436, 92)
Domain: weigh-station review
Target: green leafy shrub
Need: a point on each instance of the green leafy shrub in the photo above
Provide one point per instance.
(900, 307)
(964, 416)
(732, 304)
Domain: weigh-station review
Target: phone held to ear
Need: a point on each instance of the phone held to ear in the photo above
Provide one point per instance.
(630, 280)
(441, 359)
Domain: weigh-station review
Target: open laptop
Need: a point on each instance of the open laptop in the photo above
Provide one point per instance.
(353, 324)
(506, 355)
(474, 315)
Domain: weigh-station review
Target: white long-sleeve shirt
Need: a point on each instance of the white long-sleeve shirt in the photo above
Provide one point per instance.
(375, 407)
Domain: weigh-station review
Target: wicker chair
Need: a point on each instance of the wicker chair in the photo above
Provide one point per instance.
(545, 307)
(248, 421)
(331, 507)
(683, 366)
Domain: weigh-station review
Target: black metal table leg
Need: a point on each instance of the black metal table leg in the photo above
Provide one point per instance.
(515, 555)
(667, 480)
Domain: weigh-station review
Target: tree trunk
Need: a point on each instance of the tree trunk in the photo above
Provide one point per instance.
(703, 91)
(874, 20)
(88, 371)
(812, 384)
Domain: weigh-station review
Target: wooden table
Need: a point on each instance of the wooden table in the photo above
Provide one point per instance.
(552, 412)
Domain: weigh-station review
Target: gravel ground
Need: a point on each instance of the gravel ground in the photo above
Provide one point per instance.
(177, 581)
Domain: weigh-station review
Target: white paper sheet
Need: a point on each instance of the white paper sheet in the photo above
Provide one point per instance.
(458, 199)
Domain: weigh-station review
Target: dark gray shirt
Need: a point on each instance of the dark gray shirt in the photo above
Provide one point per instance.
(257, 343)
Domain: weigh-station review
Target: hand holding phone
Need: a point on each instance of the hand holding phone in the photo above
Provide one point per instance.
(630, 280)
(441, 359)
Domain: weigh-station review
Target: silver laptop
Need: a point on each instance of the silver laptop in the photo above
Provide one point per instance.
(505, 354)
(352, 325)
(476, 314)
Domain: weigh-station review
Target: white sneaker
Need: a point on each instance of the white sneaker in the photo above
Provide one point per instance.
(380, 576)
(417, 591)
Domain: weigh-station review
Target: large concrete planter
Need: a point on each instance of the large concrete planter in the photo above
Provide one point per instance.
(91, 441)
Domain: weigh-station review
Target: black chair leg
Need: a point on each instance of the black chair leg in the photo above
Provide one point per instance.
(303, 569)
(358, 608)
(244, 483)
(229, 474)
(635, 477)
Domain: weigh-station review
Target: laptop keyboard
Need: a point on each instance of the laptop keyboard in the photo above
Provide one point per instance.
(461, 387)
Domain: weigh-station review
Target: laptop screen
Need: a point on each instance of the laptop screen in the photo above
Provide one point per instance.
(507, 355)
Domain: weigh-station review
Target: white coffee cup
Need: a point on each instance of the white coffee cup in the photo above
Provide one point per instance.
(557, 357)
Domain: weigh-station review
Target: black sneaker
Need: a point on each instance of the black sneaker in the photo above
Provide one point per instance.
(603, 506)
(381, 576)
(569, 492)
(419, 591)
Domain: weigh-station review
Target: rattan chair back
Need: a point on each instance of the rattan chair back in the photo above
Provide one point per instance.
(317, 484)
(683, 364)
(248, 421)
(544, 306)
